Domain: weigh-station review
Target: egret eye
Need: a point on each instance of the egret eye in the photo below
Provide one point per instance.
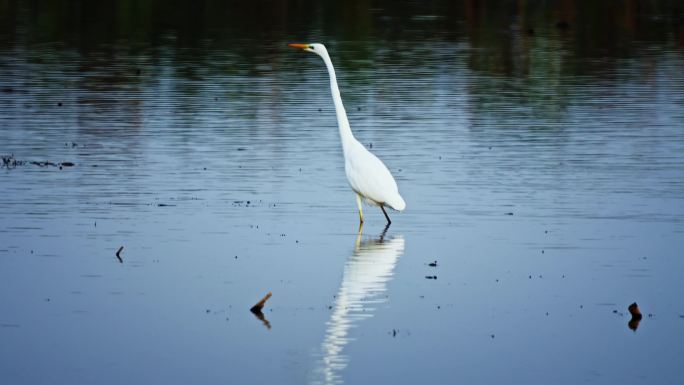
(311, 47)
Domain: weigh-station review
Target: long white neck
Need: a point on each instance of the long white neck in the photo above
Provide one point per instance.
(342, 122)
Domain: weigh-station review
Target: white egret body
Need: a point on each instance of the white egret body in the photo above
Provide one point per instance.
(367, 175)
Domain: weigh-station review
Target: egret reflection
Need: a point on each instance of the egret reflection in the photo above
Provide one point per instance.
(364, 284)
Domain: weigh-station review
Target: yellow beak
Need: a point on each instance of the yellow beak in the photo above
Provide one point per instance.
(300, 46)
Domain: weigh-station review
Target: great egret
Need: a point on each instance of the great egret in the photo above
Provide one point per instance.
(367, 175)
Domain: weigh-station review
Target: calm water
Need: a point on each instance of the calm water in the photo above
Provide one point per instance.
(542, 164)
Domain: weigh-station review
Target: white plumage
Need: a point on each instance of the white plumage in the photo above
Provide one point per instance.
(366, 173)
(369, 177)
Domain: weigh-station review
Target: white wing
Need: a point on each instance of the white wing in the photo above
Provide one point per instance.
(370, 178)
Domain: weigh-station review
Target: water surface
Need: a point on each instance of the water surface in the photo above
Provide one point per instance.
(542, 164)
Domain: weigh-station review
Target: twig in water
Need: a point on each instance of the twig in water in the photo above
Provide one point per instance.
(256, 310)
(118, 254)
(636, 316)
(260, 305)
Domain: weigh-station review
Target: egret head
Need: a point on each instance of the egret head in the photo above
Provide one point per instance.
(316, 48)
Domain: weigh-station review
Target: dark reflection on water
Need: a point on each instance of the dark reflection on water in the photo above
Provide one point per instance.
(539, 147)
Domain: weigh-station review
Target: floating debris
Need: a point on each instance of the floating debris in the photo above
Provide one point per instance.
(44, 164)
(260, 305)
(633, 323)
(256, 310)
(433, 264)
(118, 254)
(9, 161)
(430, 277)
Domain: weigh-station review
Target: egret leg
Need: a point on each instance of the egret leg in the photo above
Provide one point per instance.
(386, 216)
(358, 202)
(358, 236)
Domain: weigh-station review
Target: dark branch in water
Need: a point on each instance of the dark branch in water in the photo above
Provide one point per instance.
(633, 323)
(260, 305)
(256, 310)
(118, 254)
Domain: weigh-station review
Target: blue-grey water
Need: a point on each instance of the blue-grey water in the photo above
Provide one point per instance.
(542, 166)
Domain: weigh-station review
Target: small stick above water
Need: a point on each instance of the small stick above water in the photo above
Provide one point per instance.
(260, 305)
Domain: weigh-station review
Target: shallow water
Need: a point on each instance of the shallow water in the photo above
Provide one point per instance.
(544, 172)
